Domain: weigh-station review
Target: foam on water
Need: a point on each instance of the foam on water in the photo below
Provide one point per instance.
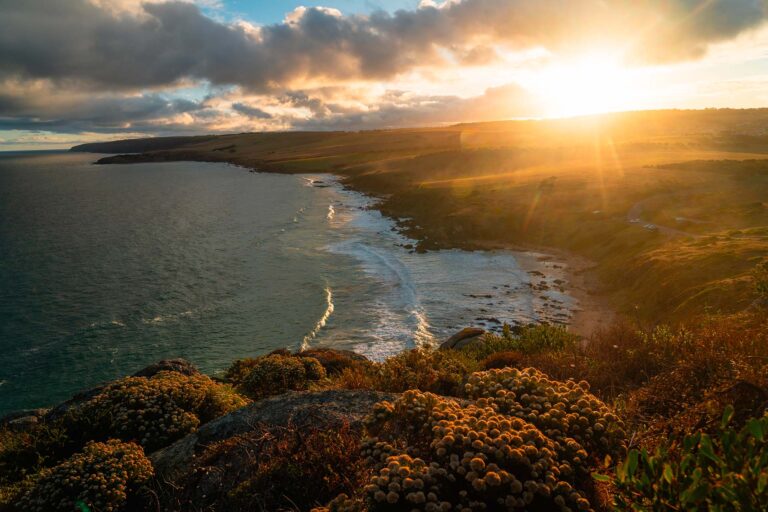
(422, 298)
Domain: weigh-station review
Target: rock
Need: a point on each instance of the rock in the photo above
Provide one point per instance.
(321, 408)
(22, 421)
(181, 366)
(464, 337)
(23, 424)
(335, 360)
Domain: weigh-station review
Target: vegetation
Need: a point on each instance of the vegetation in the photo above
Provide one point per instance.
(153, 411)
(728, 471)
(274, 374)
(100, 478)
(272, 468)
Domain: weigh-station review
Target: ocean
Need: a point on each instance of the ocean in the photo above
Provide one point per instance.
(105, 269)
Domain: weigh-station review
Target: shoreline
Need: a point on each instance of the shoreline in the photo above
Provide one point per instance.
(592, 311)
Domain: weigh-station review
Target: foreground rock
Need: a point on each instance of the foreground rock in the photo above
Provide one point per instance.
(320, 408)
(463, 338)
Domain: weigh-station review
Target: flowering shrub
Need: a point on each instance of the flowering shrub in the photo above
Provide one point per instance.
(275, 374)
(502, 360)
(433, 454)
(565, 411)
(101, 478)
(438, 371)
(153, 411)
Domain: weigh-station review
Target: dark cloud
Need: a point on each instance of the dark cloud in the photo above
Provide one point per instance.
(252, 112)
(74, 40)
(73, 113)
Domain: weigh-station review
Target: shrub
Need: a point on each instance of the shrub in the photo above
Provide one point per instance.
(355, 378)
(502, 360)
(728, 471)
(530, 339)
(153, 411)
(760, 276)
(336, 361)
(432, 454)
(101, 478)
(239, 370)
(275, 374)
(439, 371)
(273, 468)
(565, 411)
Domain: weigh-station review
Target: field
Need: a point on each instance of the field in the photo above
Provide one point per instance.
(669, 205)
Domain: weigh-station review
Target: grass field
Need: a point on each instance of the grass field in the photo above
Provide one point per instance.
(672, 206)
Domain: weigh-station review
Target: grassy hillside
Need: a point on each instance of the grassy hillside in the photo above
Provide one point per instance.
(670, 205)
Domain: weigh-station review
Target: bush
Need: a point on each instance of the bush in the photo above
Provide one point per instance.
(273, 468)
(565, 411)
(153, 411)
(760, 276)
(336, 361)
(275, 374)
(433, 454)
(502, 360)
(438, 371)
(728, 471)
(101, 478)
(530, 339)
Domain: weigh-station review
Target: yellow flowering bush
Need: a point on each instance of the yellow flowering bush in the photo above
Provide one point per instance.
(433, 454)
(101, 478)
(565, 412)
(275, 374)
(154, 411)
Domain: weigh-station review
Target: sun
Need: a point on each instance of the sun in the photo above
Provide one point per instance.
(590, 84)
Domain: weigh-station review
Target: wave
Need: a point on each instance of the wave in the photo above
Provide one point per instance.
(331, 212)
(385, 264)
(322, 321)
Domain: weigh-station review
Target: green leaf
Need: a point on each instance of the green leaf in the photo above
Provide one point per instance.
(727, 416)
(601, 478)
(756, 429)
(632, 462)
(668, 475)
(705, 448)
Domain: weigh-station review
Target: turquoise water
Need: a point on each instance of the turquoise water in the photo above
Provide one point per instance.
(104, 269)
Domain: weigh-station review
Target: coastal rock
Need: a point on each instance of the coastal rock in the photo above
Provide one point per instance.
(463, 338)
(321, 408)
(335, 360)
(22, 421)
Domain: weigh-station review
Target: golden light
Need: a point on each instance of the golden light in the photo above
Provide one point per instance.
(590, 84)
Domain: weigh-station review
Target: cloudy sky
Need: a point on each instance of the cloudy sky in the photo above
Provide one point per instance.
(81, 70)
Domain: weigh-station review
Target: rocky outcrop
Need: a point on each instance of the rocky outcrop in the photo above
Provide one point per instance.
(321, 408)
(463, 338)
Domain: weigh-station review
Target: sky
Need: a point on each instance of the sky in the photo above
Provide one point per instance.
(74, 71)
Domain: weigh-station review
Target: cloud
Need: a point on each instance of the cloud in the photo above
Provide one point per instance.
(164, 43)
(252, 112)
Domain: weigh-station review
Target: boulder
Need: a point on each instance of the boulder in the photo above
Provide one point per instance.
(320, 408)
(463, 338)
(22, 421)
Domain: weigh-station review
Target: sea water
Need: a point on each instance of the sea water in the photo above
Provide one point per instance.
(105, 269)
